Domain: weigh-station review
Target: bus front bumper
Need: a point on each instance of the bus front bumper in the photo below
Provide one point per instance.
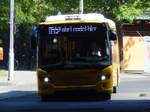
(100, 87)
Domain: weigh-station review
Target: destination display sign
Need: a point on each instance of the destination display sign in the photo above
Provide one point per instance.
(72, 29)
(68, 29)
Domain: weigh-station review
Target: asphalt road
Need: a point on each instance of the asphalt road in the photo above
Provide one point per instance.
(133, 95)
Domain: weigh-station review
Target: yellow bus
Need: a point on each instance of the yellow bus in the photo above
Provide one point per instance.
(77, 52)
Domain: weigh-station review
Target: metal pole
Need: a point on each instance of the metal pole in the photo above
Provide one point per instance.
(11, 47)
(81, 6)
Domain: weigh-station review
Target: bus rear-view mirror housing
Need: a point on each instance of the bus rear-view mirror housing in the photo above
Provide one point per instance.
(113, 35)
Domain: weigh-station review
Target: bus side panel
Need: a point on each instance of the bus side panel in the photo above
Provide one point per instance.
(115, 63)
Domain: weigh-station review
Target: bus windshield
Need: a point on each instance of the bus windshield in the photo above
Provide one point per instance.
(73, 45)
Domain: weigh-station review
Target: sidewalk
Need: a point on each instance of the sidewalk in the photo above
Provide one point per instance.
(22, 80)
(134, 76)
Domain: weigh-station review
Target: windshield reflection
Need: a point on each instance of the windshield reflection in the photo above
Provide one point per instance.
(74, 49)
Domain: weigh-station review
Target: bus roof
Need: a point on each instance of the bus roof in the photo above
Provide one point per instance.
(82, 17)
(79, 18)
(111, 24)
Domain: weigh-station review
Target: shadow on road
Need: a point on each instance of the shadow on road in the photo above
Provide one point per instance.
(16, 95)
(73, 96)
(29, 101)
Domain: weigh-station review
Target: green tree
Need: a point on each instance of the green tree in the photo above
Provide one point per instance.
(27, 12)
(4, 15)
(129, 10)
(65, 6)
(117, 9)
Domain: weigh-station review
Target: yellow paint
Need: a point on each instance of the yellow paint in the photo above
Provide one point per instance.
(71, 21)
(75, 79)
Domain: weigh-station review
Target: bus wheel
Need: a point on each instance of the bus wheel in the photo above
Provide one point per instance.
(106, 96)
(114, 89)
(45, 98)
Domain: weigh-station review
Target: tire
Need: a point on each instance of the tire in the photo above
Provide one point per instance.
(114, 89)
(45, 98)
(106, 96)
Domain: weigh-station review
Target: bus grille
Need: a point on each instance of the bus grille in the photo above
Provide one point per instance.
(74, 77)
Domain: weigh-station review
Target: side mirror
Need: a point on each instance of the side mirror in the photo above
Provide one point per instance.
(34, 38)
(113, 35)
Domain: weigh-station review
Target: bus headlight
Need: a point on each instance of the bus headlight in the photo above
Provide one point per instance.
(103, 77)
(46, 79)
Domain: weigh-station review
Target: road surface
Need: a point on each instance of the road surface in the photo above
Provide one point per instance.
(133, 95)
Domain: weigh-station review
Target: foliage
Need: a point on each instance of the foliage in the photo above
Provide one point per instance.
(27, 12)
(4, 14)
(65, 6)
(129, 10)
